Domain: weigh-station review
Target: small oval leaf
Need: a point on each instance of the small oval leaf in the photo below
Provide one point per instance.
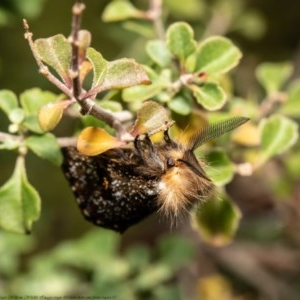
(50, 114)
(216, 220)
(217, 55)
(219, 169)
(292, 106)
(273, 75)
(158, 52)
(93, 141)
(8, 101)
(181, 105)
(16, 115)
(20, 203)
(151, 117)
(180, 40)
(32, 100)
(55, 51)
(120, 10)
(120, 74)
(277, 135)
(46, 147)
(210, 95)
(98, 63)
(141, 92)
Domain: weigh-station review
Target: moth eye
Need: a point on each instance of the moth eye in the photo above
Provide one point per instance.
(170, 162)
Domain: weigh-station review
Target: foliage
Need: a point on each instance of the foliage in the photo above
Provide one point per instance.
(101, 270)
(188, 77)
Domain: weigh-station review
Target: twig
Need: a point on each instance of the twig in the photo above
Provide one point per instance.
(6, 136)
(66, 141)
(76, 22)
(87, 104)
(42, 68)
(154, 14)
(271, 103)
(88, 107)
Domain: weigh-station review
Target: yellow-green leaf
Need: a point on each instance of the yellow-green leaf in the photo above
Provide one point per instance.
(93, 141)
(150, 118)
(50, 114)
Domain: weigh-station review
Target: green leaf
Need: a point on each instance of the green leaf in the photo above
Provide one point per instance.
(98, 245)
(292, 106)
(217, 55)
(152, 276)
(98, 63)
(183, 10)
(158, 52)
(120, 10)
(219, 169)
(55, 51)
(180, 40)
(19, 202)
(8, 101)
(210, 95)
(138, 257)
(182, 251)
(46, 147)
(216, 220)
(273, 75)
(151, 117)
(141, 92)
(10, 144)
(121, 73)
(32, 100)
(12, 248)
(278, 134)
(180, 105)
(145, 92)
(16, 115)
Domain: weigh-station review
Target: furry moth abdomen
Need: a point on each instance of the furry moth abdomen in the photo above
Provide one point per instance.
(122, 186)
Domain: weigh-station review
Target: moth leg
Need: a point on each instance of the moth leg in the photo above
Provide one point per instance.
(143, 144)
(167, 138)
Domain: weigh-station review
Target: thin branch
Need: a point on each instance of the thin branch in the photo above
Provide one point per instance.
(6, 136)
(42, 68)
(88, 107)
(76, 22)
(66, 141)
(154, 14)
(271, 103)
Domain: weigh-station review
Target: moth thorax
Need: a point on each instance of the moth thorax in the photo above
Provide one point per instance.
(180, 188)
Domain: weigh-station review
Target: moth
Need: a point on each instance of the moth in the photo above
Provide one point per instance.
(122, 186)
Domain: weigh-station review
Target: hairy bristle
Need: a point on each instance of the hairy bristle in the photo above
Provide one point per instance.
(180, 189)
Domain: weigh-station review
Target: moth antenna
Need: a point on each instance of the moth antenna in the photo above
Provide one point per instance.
(212, 131)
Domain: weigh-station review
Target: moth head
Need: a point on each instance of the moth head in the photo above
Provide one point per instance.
(185, 181)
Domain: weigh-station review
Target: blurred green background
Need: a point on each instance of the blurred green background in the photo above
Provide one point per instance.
(58, 256)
